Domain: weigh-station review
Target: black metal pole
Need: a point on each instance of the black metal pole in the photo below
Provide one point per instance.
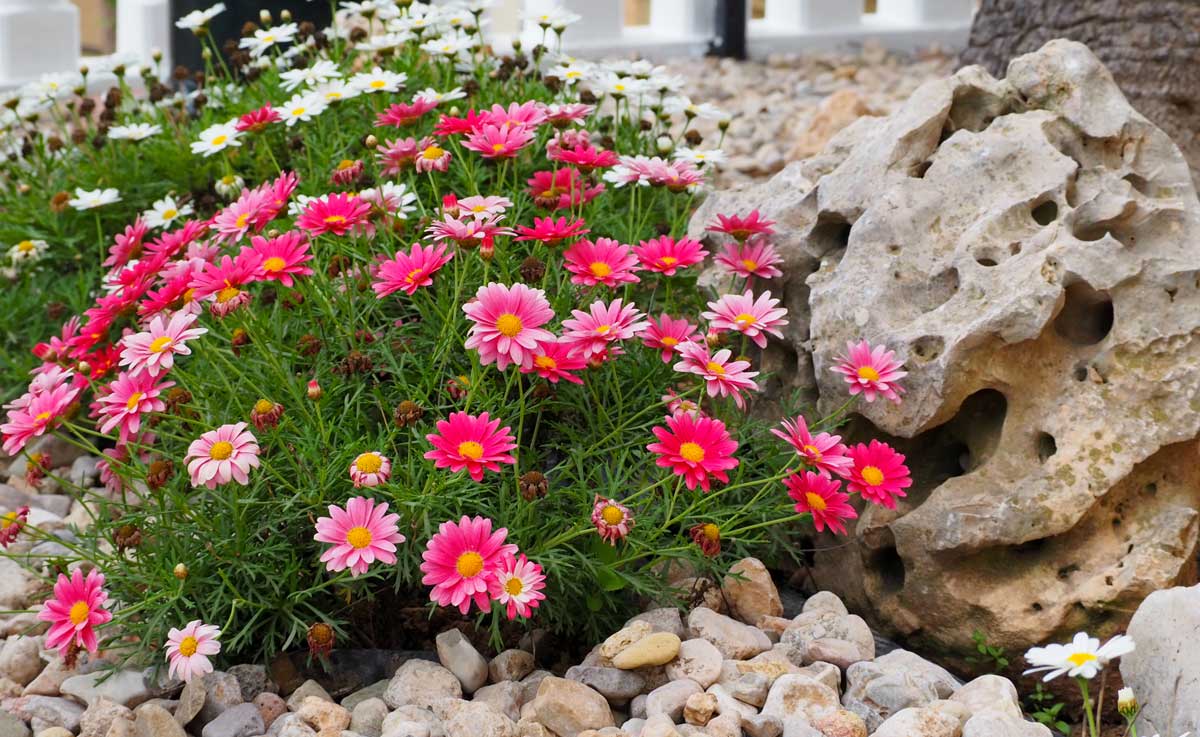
(730, 38)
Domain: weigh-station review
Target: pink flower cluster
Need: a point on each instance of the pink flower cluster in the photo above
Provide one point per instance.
(468, 563)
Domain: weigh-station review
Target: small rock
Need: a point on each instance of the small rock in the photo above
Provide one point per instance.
(762, 725)
(527, 728)
(795, 696)
(151, 720)
(999, 724)
(735, 641)
(421, 683)
(510, 665)
(323, 715)
(11, 726)
(825, 601)
(19, 659)
(48, 711)
(698, 660)
(191, 700)
(420, 716)
(919, 722)
(473, 719)
(374, 691)
(405, 728)
(9, 688)
(727, 704)
(253, 680)
(125, 687)
(49, 682)
(532, 682)
(699, 708)
(841, 723)
(221, 692)
(270, 707)
(657, 648)
(308, 688)
(614, 684)
(750, 688)
(367, 717)
(506, 697)
(239, 720)
(726, 725)
(461, 658)
(51, 732)
(669, 699)
(568, 707)
(659, 725)
(751, 592)
(989, 693)
(625, 637)
(99, 717)
(290, 725)
(665, 619)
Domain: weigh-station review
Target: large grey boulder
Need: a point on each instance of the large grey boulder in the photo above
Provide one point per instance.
(1164, 670)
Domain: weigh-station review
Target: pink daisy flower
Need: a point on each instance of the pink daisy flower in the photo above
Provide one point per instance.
(11, 524)
(821, 497)
(507, 324)
(37, 414)
(551, 231)
(223, 282)
(470, 442)
(604, 261)
(336, 213)
(528, 114)
(563, 114)
(468, 233)
(128, 245)
(480, 206)
(396, 156)
(666, 255)
(824, 452)
(749, 316)
(879, 473)
(518, 585)
(741, 228)
(370, 469)
(591, 332)
(188, 650)
(666, 334)
(494, 142)
(871, 371)
(282, 257)
(612, 519)
(253, 209)
(153, 351)
(753, 258)
(676, 404)
(222, 455)
(722, 376)
(401, 114)
(130, 396)
(430, 156)
(562, 188)
(74, 612)
(407, 272)
(361, 534)
(461, 562)
(586, 157)
(554, 360)
(695, 448)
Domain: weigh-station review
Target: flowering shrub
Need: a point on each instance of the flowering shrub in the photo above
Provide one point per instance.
(366, 348)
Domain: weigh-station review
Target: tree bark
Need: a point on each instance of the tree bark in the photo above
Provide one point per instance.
(1152, 48)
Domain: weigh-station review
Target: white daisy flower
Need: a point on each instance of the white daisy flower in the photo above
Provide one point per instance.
(199, 18)
(87, 199)
(264, 38)
(385, 41)
(336, 90)
(393, 197)
(27, 251)
(682, 105)
(379, 80)
(134, 131)
(164, 212)
(556, 17)
(611, 84)
(1083, 657)
(320, 72)
(302, 108)
(431, 95)
(697, 156)
(229, 186)
(570, 73)
(217, 138)
(448, 46)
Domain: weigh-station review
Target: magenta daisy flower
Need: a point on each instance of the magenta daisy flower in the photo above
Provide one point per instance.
(407, 272)
(11, 524)
(188, 650)
(401, 114)
(507, 324)
(612, 519)
(474, 443)
(551, 231)
(824, 452)
(462, 561)
(879, 473)
(518, 585)
(744, 314)
(667, 255)
(252, 210)
(370, 469)
(604, 261)
(871, 371)
(431, 156)
(222, 455)
(153, 351)
(361, 534)
(695, 448)
(667, 333)
(498, 142)
(74, 612)
(336, 213)
(722, 376)
(591, 332)
(223, 282)
(741, 228)
(130, 396)
(282, 257)
(821, 497)
(753, 258)
(36, 414)
(554, 360)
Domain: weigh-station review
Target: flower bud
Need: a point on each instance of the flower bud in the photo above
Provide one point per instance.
(264, 17)
(1127, 702)
(664, 144)
(285, 16)
(314, 390)
(181, 571)
(371, 141)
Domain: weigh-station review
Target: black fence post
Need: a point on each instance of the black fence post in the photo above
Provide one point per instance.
(730, 38)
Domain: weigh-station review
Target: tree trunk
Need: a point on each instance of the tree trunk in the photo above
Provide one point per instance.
(1152, 48)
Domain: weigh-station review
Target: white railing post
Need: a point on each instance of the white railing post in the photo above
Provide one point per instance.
(602, 22)
(681, 18)
(144, 26)
(813, 14)
(923, 12)
(37, 37)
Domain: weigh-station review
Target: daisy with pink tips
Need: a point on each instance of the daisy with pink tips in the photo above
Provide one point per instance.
(667, 255)
(696, 448)
(283, 257)
(676, 404)
(666, 334)
(474, 443)
(360, 534)
(189, 649)
(518, 585)
(129, 397)
(480, 206)
(462, 560)
(75, 611)
(222, 455)
(252, 210)
(603, 261)
(507, 324)
(878, 474)
(591, 332)
(722, 376)
(370, 469)
(744, 314)
(753, 258)
(153, 351)
(822, 498)
(823, 451)
(871, 371)
(408, 272)
(612, 519)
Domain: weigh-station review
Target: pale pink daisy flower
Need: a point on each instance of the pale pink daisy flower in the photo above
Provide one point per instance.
(252, 211)
(36, 414)
(461, 562)
(604, 261)
(749, 316)
(592, 331)
(507, 324)
(188, 650)
(370, 469)
(871, 371)
(722, 376)
(612, 519)
(823, 451)
(756, 257)
(74, 612)
(222, 455)
(518, 586)
(470, 442)
(666, 334)
(129, 397)
(361, 534)
(153, 350)
(676, 404)
(480, 206)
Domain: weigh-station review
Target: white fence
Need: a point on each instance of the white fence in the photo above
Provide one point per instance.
(42, 36)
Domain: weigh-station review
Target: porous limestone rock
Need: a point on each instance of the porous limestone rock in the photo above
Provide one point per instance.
(1029, 247)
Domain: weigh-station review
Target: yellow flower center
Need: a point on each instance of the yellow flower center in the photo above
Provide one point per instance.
(242, 220)
(872, 475)
(509, 325)
(745, 319)
(228, 179)
(169, 213)
(669, 260)
(268, 39)
(545, 362)
(220, 140)
(369, 463)
(469, 564)
(160, 344)
(274, 263)
(433, 153)
(358, 537)
(513, 586)
(220, 450)
(711, 532)
(378, 84)
(603, 329)
(470, 449)
(227, 294)
(187, 648)
(812, 452)
(333, 95)
(816, 502)
(669, 342)
(1079, 659)
(690, 451)
(478, 208)
(599, 269)
(750, 264)
(79, 613)
(331, 219)
(715, 368)
(42, 416)
(345, 164)
(25, 246)
(132, 403)
(497, 147)
(868, 373)
(8, 520)
(264, 406)
(612, 515)
(298, 111)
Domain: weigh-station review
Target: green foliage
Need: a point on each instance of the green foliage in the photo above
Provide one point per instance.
(1044, 709)
(991, 656)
